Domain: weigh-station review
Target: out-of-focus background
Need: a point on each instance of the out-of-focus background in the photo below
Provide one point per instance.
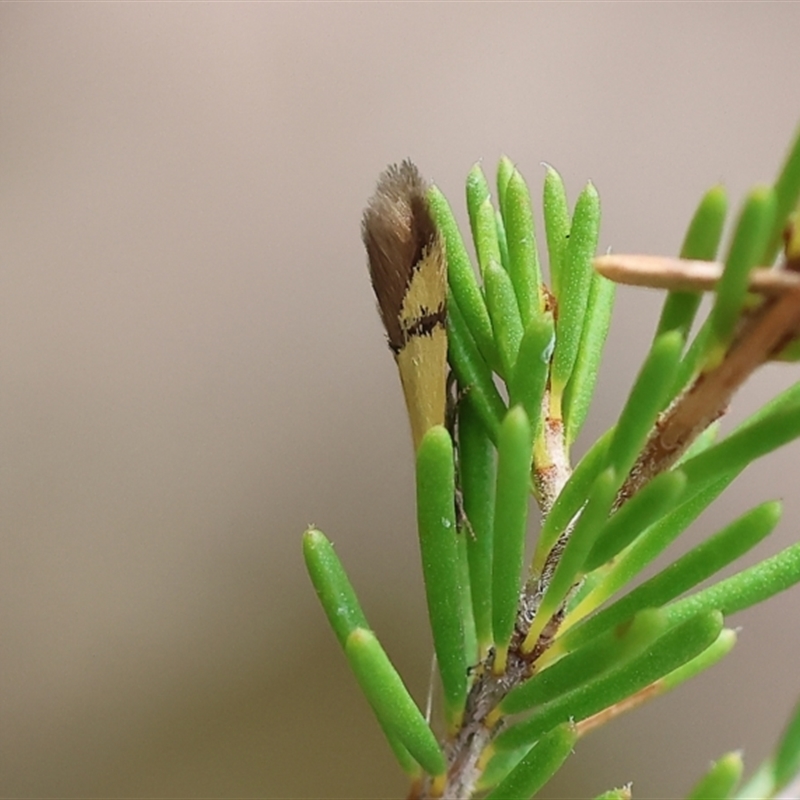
(192, 369)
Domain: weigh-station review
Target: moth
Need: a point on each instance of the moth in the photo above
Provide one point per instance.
(406, 260)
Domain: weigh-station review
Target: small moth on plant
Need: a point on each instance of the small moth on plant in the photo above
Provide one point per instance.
(409, 275)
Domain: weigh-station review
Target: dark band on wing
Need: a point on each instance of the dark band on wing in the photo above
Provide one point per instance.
(422, 326)
(398, 230)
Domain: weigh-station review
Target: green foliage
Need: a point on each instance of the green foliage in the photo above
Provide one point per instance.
(721, 780)
(581, 539)
(478, 193)
(333, 587)
(471, 369)
(701, 241)
(649, 544)
(464, 288)
(440, 565)
(787, 756)
(616, 794)
(529, 380)
(645, 400)
(609, 649)
(573, 293)
(556, 223)
(749, 241)
(643, 510)
(390, 700)
(510, 522)
(504, 312)
(787, 193)
(779, 769)
(571, 498)
(672, 650)
(523, 256)
(538, 765)
(748, 443)
(478, 471)
(580, 389)
(530, 660)
(689, 570)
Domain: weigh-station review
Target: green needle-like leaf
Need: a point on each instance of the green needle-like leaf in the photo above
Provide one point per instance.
(462, 280)
(787, 193)
(753, 439)
(745, 588)
(580, 389)
(646, 549)
(523, 257)
(505, 169)
(332, 585)
(538, 766)
(571, 498)
(703, 441)
(642, 510)
(787, 757)
(391, 701)
(749, 242)
(721, 780)
(728, 306)
(587, 586)
(556, 224)
(760, 785)
(473, 373)
(514, 451)
(576, 668)
(478, 475)
(578, 545)
(701, 242)
(502, 240)
(788, 399)
(477, 193)
(467, 614)
(714, 653)
(440, 564)
(406, 761)
(692, 359)
(500, 765)
(504, 312)
(574, 280)
(645, 400)
(623, 793)
(692, 568)
(529, 379)
(487, 245)
(677, 646)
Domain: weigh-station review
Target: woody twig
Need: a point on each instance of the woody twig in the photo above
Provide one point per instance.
(762, 333)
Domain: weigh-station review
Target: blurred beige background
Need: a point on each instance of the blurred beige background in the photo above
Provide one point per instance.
(192, 368)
